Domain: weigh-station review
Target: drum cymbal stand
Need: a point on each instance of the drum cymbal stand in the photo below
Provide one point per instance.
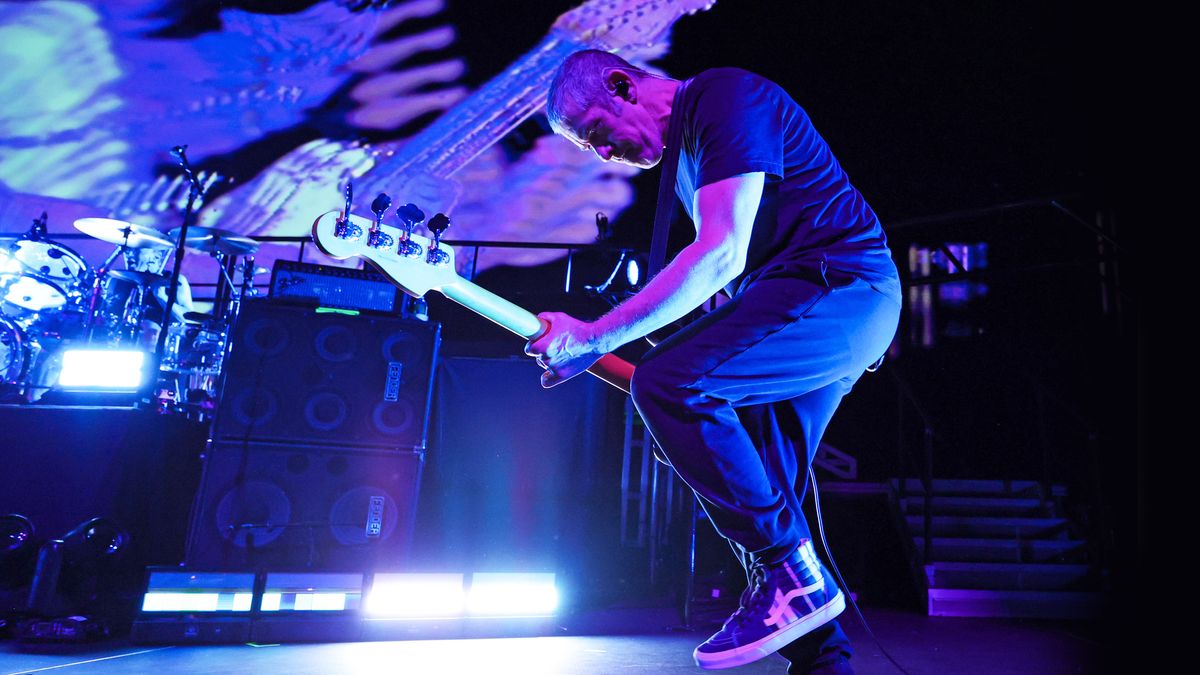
(93, 313)
(196, 192)
(226, 300)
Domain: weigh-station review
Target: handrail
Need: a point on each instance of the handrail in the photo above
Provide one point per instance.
(928, 434)
(1110, 251)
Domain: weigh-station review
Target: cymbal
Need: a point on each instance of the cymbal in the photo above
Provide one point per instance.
(120, 232)
(211, 239)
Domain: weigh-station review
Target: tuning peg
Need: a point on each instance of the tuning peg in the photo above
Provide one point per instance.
(378, 238)
(343, 228)
(410, 216)
(380, 206)
(437, 225)
(348, 194)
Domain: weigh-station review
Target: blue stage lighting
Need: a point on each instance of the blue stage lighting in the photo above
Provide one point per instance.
(416, 596)
(192, 592)
(102, 370)
(512, 594)
(311, 592)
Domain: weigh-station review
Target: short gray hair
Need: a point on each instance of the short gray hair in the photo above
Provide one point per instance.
(579, 84)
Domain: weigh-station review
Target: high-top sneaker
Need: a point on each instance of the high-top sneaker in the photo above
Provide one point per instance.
(785, 601)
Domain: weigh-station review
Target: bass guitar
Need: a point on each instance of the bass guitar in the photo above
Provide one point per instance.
(417, 265)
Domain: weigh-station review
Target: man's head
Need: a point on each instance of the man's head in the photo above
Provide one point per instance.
(601, 102)
(147, 259)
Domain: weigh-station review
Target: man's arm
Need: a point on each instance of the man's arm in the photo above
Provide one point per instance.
(725, 213)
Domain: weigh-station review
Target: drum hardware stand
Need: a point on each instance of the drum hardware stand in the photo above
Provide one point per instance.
(244, 290)
(98, 290)
(195, 191)
(227, 296)
(37, 231)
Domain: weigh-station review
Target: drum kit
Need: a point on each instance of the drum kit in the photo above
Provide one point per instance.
(52, 300)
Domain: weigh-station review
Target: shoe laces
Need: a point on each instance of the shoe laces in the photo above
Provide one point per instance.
(754, 597)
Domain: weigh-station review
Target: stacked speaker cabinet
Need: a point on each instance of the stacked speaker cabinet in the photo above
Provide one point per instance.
(318, 444)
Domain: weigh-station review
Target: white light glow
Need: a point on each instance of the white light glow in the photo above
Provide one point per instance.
(9, 264)
(512, 594)
(242, 601)
(302, 602)
(180, 602)
(270, 602)
(329, 602)
(633, 272)
(416, 596)
(102, 369)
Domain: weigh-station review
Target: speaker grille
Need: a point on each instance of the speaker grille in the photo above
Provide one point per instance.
(297, 506)
(298, 376)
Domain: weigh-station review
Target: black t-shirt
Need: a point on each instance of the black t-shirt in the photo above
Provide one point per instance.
(737, 122)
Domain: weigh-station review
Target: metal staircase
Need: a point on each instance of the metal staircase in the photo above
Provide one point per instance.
(998, 548)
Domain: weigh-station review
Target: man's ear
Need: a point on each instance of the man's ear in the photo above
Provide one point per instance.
(620, 83)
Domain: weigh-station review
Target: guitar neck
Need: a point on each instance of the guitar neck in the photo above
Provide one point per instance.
(610, 368)
(473, 125)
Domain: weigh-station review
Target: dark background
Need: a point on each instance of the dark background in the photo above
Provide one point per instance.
(930, 106)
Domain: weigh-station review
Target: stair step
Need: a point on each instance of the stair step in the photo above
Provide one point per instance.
(983, 526)
(979, 506)
(948, 487)
(1005, 550)
(1031, 604)
(1008, 576)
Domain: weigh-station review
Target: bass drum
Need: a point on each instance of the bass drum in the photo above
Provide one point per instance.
(27, 295)
(50, 260)
(38, 277)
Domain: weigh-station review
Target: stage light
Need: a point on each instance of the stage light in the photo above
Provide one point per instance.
(78, 556)
(16, 549)
(512, 594)
(16, 535)
(416, 596)
(94, 539)
(181, 606)
(102, 369)
(311, 592)
(198, 592)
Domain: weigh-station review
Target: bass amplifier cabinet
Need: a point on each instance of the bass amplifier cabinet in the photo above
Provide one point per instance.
(289, 506)
(302, 375)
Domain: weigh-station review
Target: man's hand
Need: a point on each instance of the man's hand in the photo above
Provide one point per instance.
(565, 349)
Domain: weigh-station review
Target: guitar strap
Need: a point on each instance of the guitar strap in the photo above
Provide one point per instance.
(666, 186)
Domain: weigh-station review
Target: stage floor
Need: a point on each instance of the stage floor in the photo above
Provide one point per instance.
(923, 646)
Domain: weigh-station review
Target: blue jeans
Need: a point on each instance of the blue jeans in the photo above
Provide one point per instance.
(739, 398)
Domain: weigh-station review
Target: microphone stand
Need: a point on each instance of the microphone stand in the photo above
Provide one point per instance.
(195, 192)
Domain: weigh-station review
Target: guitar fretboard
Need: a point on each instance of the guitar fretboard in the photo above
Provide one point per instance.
(483, 118)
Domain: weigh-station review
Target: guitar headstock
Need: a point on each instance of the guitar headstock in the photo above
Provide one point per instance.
(414, 275)
(618, 24)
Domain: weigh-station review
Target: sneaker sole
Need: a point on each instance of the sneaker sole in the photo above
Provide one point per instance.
(740, 656)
